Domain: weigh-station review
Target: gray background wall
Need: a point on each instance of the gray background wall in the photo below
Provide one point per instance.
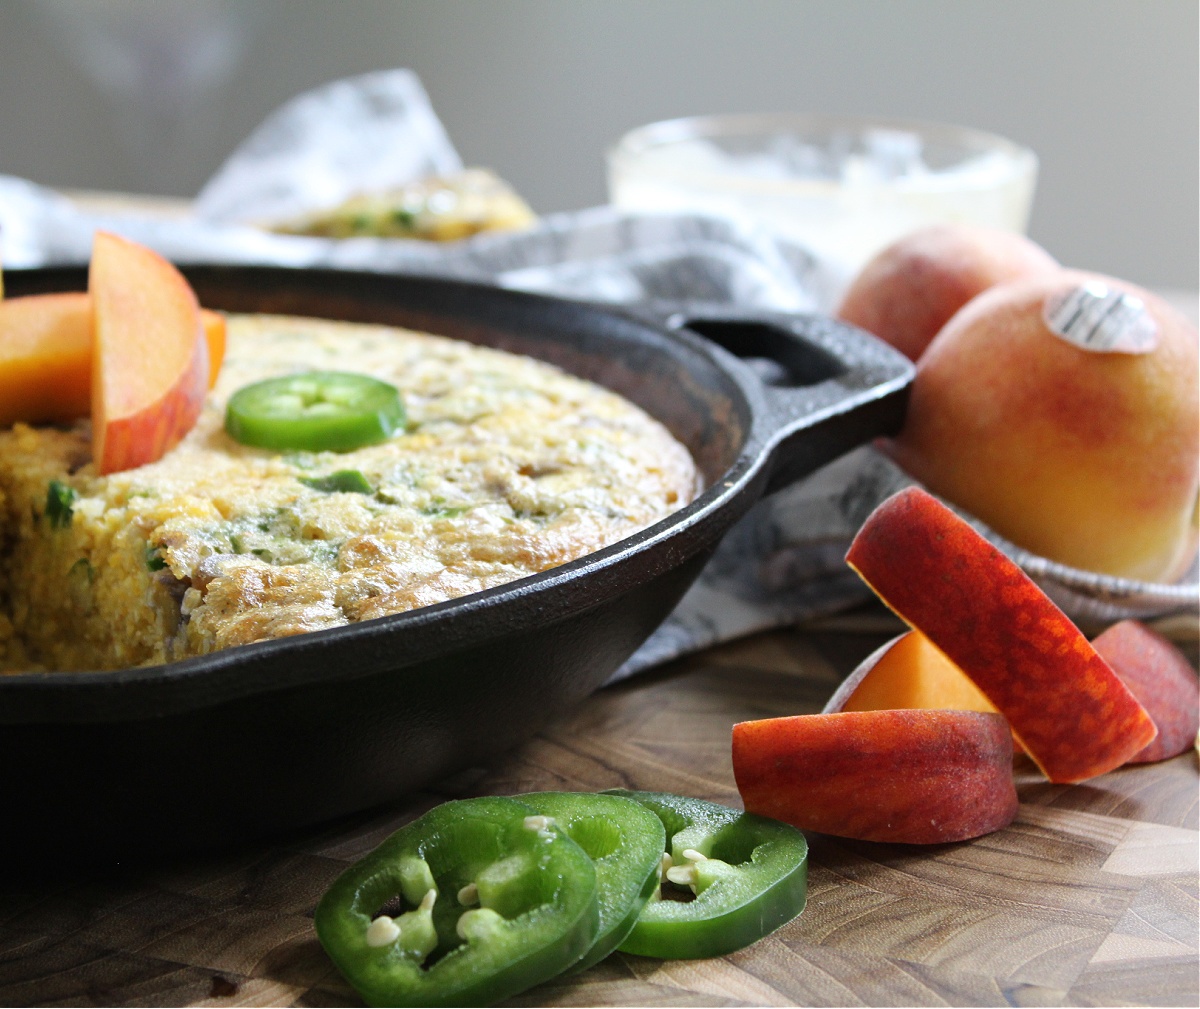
(150, 95)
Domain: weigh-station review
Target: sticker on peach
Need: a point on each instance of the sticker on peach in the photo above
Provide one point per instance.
(1101, 318)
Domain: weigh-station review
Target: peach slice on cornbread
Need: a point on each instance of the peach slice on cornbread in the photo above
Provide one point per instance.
(45, 358)
(150, 365)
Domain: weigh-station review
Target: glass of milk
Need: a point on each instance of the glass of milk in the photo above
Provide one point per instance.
(844, 187)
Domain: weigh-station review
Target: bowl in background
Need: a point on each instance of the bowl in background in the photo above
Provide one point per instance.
(843, 186)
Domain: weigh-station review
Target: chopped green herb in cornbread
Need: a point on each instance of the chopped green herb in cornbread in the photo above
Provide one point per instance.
(505, 467)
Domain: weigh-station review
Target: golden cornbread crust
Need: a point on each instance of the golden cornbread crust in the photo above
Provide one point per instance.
(507, 467)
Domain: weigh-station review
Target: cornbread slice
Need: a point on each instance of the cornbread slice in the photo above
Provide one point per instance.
(507, 467)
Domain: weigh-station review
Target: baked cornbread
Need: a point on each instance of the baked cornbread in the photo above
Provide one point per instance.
(507, 467)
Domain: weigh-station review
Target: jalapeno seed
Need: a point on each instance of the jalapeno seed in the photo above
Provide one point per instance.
(478, 923)
(382, 931)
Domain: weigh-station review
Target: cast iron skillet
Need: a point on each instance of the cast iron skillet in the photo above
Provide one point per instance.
(268, 737)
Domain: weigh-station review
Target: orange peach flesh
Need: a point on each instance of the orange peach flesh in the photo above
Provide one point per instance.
(45, 358)
(914, 674)
(214, 334)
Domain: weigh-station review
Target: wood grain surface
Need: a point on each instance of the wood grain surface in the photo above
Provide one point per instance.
(1089, 898)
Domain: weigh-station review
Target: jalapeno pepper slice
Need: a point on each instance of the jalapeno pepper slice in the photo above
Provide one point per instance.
(495, 899)
(625, 841)
(315, 411)
(748, 873)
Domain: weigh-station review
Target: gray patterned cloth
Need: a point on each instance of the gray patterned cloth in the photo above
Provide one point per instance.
(784, 562)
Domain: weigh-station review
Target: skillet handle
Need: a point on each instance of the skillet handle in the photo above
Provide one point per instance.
(814, 373)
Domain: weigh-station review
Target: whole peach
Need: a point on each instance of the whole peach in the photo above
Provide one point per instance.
(909, 290)
(1088, 458)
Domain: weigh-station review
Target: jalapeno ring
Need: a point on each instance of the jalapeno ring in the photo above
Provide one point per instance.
(315, 411)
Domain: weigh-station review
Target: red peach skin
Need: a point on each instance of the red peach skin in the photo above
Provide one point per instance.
(1068, 709)
(1159, 676)
(901, 776)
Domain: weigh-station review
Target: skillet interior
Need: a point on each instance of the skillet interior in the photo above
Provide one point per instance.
(270, 736)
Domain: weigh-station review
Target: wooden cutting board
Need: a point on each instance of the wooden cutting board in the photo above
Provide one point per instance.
(1089, 898)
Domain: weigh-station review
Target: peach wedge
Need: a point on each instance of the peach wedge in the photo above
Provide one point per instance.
(1159, 676)
(150, 363)
(45, 358)
(902, 776)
